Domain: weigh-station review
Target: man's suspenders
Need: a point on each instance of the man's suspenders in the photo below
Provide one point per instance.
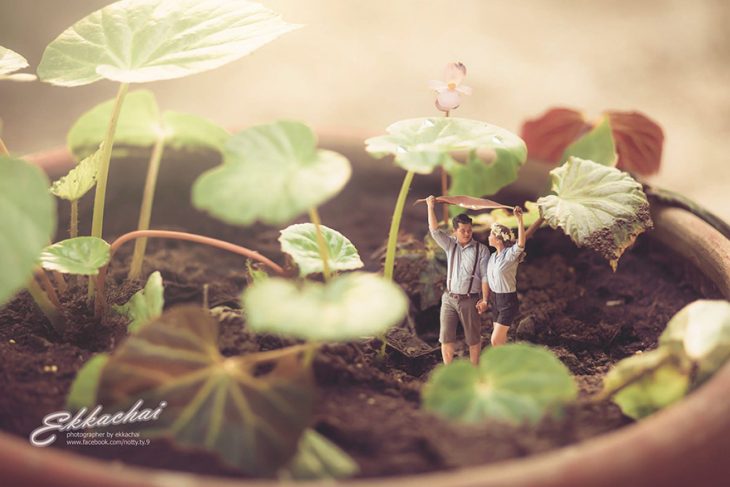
(473, 271)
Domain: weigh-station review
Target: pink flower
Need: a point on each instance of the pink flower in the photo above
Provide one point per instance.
(449, 91)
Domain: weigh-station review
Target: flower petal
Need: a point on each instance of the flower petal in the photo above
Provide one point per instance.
(454, 73)
(438, 86)
(464, 90)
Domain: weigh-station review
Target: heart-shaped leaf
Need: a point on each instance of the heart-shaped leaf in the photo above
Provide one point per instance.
(11, 61)
(27, 225)
(596, 145)
(548, 135)
(599, 207)
(300, 241)
(639, 142)
(86, 383)
(702, 329)
(251, 420)
(140, 126)
(647, 382)
(80, 179)
(318, 458)
(422, 144)
(348, 307)
(145, 305)
(513, 383)
(81, 256)
(137, 41)
(271, 173)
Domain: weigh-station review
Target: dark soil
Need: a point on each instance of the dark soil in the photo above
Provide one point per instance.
(570, 300)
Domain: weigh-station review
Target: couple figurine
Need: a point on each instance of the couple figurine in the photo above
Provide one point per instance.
(474, 275)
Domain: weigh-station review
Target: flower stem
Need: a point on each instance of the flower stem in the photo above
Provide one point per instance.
(145, 213)
(41, 300)
(321, 243)
(395, 225)
(103, 174)
(445, 186)
(73, 229)
(190, 237)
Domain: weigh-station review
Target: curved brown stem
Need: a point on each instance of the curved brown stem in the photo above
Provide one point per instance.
(190, 237)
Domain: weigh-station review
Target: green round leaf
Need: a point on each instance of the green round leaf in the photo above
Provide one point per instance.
(348, 307)
(138, 41)
(79, 180)
(597, 145)
(251, 421)
(83, 389)
(300, 241)
(702, 328)
(145, 305)
(139, 127)
(513, 383)
(27, 222)
(271, 173)
(81, 255)
(422, 144)
(11, 61)
(599, 207)
(647, 382)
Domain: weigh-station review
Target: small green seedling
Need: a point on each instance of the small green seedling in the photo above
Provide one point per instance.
(143, 130)
(153, 40)
(514, 383)
(695, 344)
(145, 305)
(301, 243)
(74, 185)
(82, 256)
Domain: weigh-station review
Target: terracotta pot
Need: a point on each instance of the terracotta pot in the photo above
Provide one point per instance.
(685, 444)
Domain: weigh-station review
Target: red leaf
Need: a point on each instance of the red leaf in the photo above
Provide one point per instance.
(639, 142)
(548, 136)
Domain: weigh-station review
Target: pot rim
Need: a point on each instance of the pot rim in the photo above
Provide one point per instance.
(682, 444)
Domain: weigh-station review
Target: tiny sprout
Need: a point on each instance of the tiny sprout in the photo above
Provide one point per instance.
(449, 91)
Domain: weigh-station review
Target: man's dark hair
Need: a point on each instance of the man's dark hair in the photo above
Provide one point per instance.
(462, 218)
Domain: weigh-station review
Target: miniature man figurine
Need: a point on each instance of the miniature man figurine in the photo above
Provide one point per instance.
(466, 277)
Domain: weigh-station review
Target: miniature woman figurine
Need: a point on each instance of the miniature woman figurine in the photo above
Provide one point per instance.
(502, 274)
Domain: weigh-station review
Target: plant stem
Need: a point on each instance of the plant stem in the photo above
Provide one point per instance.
(444, 191)
(103, 174)
(41, 300)
(73, 230)
(274, 354)
(309, 353)
(3, 149)
(395, 225)
(48, 288)
(60, 281)
(145, 213)
(321, 243)
(206, 302)
(445, 187)
(190, 237)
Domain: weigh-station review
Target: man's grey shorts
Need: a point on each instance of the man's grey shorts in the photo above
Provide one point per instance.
(453, 311)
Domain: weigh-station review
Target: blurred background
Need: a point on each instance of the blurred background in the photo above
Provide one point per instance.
(359, 65)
